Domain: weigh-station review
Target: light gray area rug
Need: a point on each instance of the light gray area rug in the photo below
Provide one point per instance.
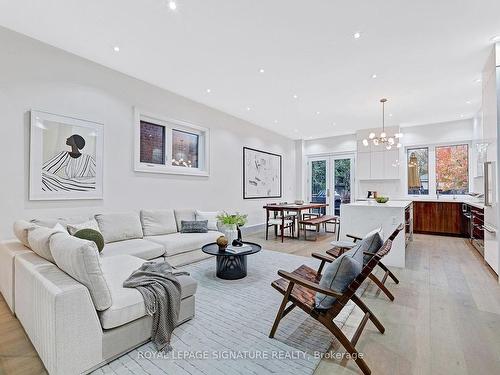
(229, 333)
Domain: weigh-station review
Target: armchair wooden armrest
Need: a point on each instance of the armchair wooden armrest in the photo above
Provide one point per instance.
(355, 238)
(295, 279)
(324, 259)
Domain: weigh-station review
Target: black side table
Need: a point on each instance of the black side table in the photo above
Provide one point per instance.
(231, 266)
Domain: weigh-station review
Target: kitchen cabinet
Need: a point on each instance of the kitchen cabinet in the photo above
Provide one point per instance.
(378, 164)
(363, 165)
(439, 218)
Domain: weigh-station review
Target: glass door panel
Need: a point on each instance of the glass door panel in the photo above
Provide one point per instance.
(319, 181)
(342, 182)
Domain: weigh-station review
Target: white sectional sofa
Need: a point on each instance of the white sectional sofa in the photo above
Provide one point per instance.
(81, 317)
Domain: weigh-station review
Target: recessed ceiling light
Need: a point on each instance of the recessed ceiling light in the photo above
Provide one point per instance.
(468, 102)
(295, 130)
(374, 76)
(275, 121)
(390, 114)
(248, 108)
(295, 96)
(261, 70)
(116, 49)
(334, 123)
(172, 5)
(209, 91)
(462, 116)
(495, 38)
(479, 80)
(357, 35)
(317, 112)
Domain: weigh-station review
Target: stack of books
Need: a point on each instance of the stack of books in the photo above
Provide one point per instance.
(238, 249)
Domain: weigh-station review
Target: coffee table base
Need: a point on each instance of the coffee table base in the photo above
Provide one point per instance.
(231, 267)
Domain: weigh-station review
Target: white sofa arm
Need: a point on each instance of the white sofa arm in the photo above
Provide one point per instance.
(8, 251)
(58, 315)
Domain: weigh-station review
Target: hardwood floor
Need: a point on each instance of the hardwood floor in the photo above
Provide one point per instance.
(445, 318)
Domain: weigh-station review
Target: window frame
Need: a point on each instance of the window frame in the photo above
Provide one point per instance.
(407, 150)
(169, 124)
(432, 166)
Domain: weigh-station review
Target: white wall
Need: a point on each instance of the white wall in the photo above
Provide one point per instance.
(37, 76)
(447, 132)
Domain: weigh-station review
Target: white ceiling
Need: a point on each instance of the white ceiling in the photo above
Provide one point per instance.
(427, 54)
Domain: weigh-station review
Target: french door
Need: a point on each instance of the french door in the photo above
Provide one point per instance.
(331, 181)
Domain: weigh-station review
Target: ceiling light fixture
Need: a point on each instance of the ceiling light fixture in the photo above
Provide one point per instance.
(275, 121)
(462, 116)
(295, 96)
(383, 138)
(468, 102)
(357, 35)
(479, 80)
(248, 108)
(172, 5)
(317, 112)
(209, 91)
(116, 49)
(374, 76)
(261, 70)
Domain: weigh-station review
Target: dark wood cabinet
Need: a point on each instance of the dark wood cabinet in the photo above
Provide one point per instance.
(439, 218)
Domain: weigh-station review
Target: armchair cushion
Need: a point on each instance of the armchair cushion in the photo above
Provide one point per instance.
(157, 222)
(339, 274)
(80, 259)
(371, 244)
(119, 226)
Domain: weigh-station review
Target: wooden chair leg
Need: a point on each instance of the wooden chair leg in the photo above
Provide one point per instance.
(279, 315)
(267, 231)
(381, 286)
(392, 276)
(365, 309)
(344, 341)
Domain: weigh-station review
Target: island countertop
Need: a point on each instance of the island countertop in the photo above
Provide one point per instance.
(389, 204)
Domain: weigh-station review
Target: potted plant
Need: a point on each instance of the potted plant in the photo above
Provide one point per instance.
(229, 225)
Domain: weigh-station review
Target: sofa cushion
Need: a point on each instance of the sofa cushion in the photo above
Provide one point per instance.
(139, 247)
(39, 240)
(339, 274)
(64, 221)
(21, 229)
(80, 259)
(177, 243)
(89, 224)
(185, 214)
(155, 222)
(119, 226)
(211, 217)
(128, 304)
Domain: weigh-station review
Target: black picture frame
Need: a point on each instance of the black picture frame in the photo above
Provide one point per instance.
(245, 173)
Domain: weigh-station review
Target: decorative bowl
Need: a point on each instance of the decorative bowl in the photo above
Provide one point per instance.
(382, 199)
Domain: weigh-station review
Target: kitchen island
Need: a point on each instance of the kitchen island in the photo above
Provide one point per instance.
(361, 217)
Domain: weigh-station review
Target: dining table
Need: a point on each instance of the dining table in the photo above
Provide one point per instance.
(293, 207)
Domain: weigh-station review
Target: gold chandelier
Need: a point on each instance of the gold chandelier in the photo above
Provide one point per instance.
(383, 139)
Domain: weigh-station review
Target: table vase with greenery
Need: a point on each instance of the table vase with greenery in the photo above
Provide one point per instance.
(229, 225)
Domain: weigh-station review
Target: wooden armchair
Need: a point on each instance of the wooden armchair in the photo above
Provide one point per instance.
(338, 251)
(299, 288)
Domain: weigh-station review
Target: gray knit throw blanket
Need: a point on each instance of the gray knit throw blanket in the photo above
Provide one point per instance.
(161, 291)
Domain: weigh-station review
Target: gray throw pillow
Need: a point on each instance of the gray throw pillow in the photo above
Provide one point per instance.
(200, 226)
(370, 244)
(339, 274)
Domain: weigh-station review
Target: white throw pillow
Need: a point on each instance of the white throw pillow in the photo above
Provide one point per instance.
(211, 217)
(21, 229)
(39, 240)
(91, 224)
(80, 259)
(119, 226)
(158, 222)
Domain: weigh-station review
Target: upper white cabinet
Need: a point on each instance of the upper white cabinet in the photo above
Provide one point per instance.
(376, 162)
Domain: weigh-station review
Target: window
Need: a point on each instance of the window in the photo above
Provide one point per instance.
(170, 146)
(418, 171)
(452, 169)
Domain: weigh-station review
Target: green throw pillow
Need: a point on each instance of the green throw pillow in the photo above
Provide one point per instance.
(91, 235)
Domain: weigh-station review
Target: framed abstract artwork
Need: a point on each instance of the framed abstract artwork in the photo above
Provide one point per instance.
(66, 158)
(261, 174)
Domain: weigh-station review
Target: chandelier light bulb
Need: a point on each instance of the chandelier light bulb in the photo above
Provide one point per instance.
(172, 5)
(383, 135)
(365, 142)
(388, 147)
(391, 141)
(375, 142)
(372, 135)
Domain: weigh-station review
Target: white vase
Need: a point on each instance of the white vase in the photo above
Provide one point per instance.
(230, 232)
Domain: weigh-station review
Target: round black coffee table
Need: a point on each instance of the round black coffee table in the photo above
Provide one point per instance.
(231, 266)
